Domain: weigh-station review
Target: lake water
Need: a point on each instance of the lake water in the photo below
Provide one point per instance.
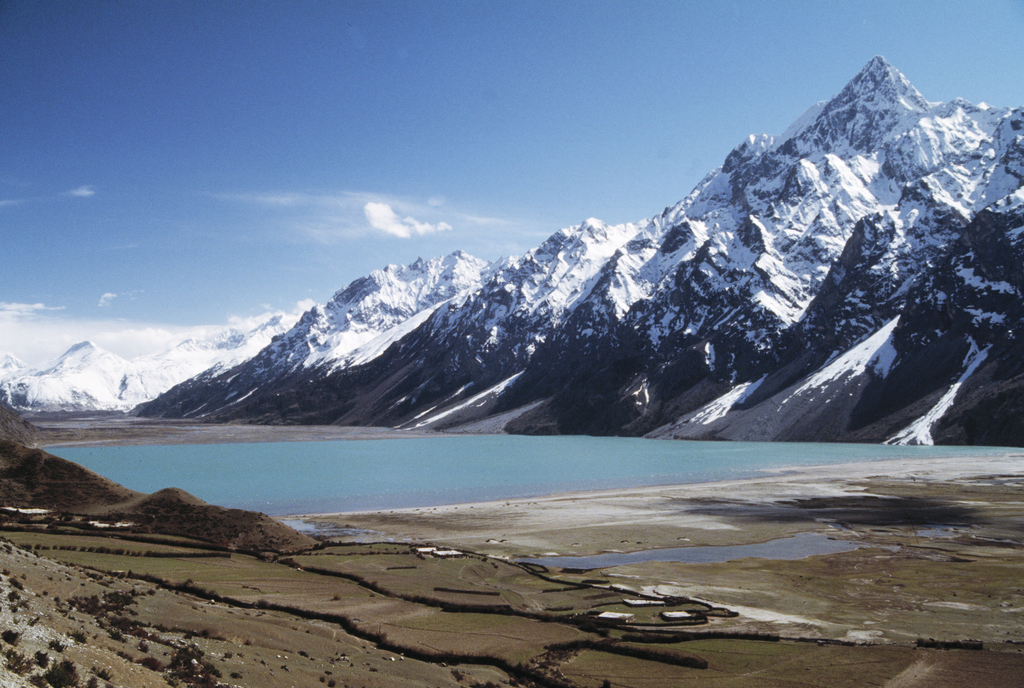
(798, 546)
(309, 477)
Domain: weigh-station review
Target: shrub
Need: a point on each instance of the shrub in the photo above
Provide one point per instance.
(187, 665)
(10, 636)
(152, 663)
(62, 675)
(17, 662)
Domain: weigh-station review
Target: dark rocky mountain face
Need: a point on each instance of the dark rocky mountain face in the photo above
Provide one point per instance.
(856, 278)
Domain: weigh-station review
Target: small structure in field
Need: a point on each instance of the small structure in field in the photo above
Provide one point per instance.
(677, 616)
(644, 603)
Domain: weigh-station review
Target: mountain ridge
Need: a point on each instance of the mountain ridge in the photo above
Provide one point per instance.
(792, 254)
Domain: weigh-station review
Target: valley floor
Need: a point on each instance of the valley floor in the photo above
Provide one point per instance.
(939, 545)
(935, 575)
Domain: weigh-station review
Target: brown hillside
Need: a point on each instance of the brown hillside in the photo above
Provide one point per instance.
(177, 512)
(33, 478)
(14, 427)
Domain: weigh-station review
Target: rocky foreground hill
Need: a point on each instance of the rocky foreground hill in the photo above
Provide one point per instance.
(51, 487)
(14, 427)
(856, 278)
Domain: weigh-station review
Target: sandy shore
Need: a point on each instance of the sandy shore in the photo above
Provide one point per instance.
(789, 500)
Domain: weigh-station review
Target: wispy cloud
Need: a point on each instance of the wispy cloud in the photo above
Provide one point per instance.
(21, 310)
(382, 217)
(106, 299)
(82, 192)
(331, 217)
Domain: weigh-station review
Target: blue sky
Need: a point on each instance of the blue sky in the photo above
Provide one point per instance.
(169, 166)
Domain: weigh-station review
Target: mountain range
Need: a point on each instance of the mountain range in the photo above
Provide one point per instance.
(856, 278)
(89, 378)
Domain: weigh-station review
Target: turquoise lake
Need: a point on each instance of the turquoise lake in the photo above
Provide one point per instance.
(281, 478)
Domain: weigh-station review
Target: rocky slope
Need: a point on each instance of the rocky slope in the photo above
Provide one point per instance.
(14, 427)
(855, 278)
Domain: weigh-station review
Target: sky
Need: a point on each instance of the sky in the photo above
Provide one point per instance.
(168, 168)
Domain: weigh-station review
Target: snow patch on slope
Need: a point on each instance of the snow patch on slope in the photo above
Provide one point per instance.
(920, 431)
(475, 400)
(723, 404)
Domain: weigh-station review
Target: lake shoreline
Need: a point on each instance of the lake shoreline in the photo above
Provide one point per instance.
(119, 430)
(717, 513)
(759, 505)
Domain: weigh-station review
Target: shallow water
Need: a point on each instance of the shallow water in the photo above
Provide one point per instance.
(798, 546)
(358, 475)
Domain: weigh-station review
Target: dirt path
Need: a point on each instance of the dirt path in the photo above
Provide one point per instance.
(917, 674)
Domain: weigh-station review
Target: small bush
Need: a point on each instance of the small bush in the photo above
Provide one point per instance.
(152, 663)
(62, 675)
(17, 662)
(10, 636)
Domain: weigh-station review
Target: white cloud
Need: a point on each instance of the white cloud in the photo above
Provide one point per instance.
(329, 217)
(82, 192)
(106, 299)
(382, 217)
(14, 310)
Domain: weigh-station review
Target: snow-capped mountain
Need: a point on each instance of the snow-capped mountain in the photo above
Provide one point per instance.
(9, 365)
(852, 278)
(358, 324)
(89, 378)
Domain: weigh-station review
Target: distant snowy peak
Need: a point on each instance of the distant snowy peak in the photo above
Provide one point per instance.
(9, 364)
(87, 377)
